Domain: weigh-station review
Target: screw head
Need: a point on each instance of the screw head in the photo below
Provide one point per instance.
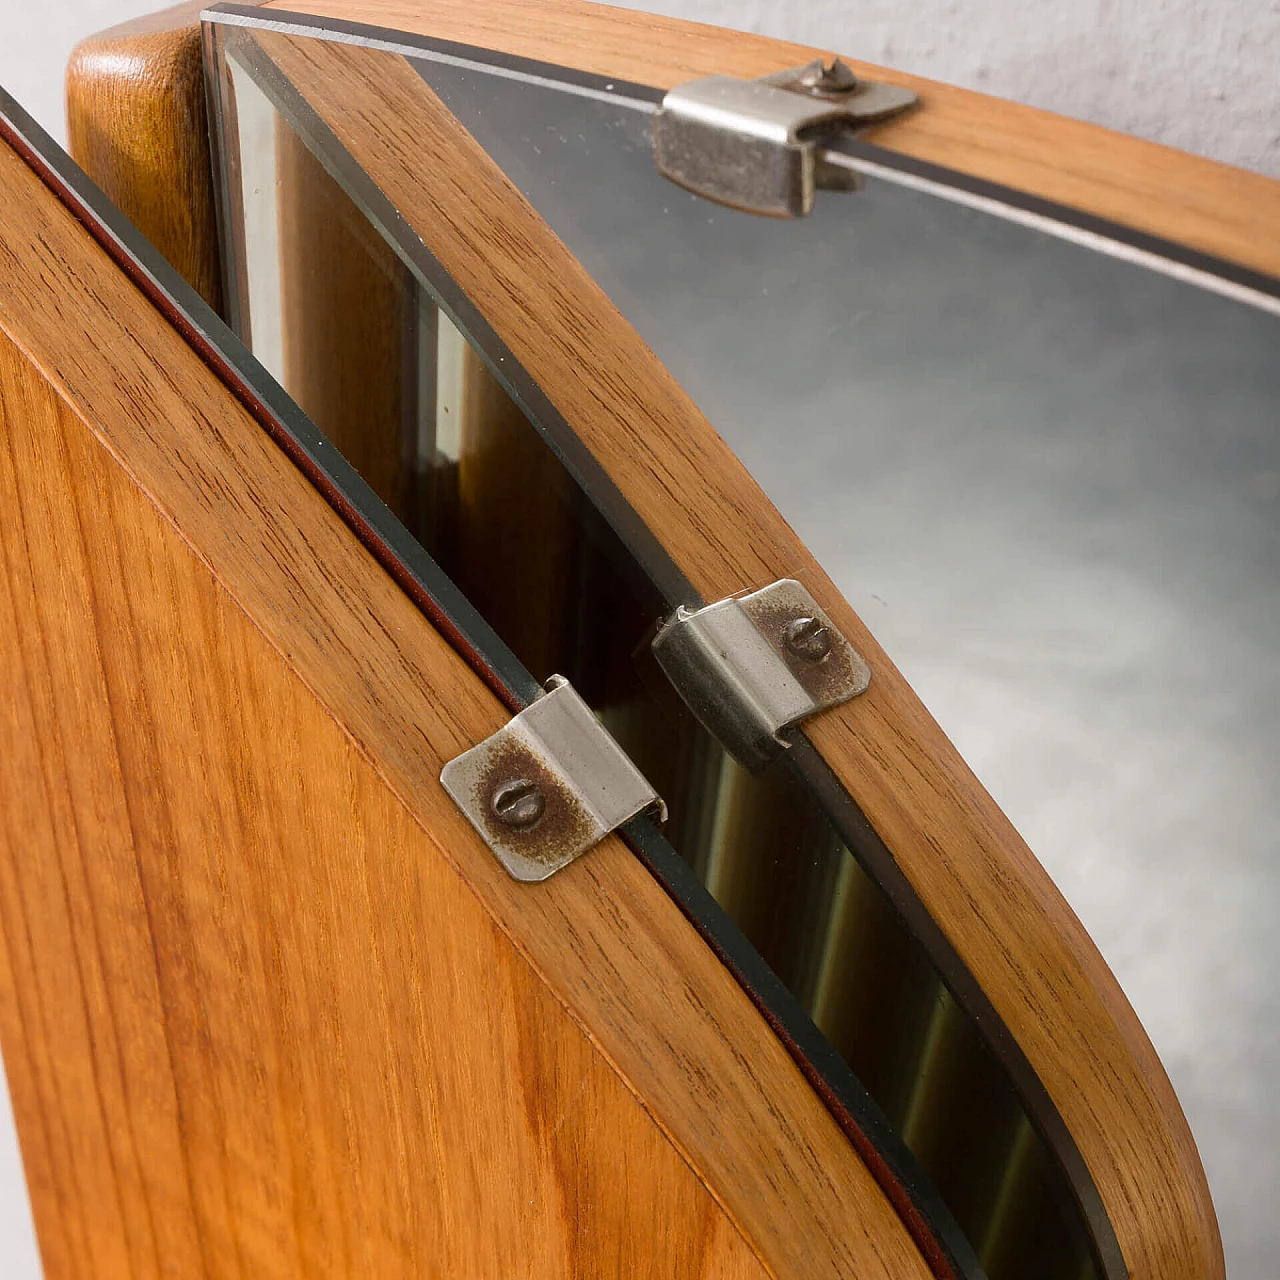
(808, 638)
(518, 803)
(827, 81)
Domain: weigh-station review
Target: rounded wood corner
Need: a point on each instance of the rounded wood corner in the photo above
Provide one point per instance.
(137, 124)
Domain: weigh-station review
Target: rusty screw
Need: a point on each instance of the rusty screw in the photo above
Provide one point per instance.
(808, 638)
(827, 81)
(518, 803)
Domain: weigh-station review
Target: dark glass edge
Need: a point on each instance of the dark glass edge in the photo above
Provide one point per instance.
(234, 287)
(854, 146)
(817, 1058)
(1024, 201)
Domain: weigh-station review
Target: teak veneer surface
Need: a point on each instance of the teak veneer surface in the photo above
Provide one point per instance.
(970, 868)
(269, 1006)
(136, 123)
(1216, 208)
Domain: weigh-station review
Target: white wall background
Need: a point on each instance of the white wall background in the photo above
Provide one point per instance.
(1203, 75)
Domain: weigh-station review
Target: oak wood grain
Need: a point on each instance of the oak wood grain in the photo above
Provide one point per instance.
(1216, 208)
(970, 868)
(253, 1027)
(136, 123)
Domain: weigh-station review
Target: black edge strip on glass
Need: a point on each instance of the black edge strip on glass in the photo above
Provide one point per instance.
(337, 30)
(1024, 202)
(819, 1060)
(646, 97)
(363, 511)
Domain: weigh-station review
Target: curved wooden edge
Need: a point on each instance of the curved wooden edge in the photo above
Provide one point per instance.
(971, 870)
(602, 936)
(1215, 208)
(137, 125)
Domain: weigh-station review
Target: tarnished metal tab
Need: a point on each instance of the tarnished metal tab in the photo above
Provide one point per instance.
(548, 785)
(753, 666)
(754, 144)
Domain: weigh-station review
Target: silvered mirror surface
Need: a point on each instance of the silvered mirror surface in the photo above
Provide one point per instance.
(1044, 468)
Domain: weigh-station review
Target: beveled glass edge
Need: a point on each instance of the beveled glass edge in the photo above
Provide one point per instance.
(821, 1063)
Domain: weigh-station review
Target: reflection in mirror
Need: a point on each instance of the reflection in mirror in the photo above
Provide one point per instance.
(361, 339)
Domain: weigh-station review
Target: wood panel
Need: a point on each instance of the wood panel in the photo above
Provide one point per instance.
(136, 124)
(970, 868)
(1216, 208)
(272, 1006)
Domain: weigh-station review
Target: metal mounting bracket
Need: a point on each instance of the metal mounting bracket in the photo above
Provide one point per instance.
(754, 144)
(753, 666)
(549, 785)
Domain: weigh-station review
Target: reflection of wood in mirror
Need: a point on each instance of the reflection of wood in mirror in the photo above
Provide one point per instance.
(349, 321)
(515, 527)
(1047, 984)
(368, 362)
(773, 861)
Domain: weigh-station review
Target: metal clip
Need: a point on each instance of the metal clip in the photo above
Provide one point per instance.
(548, 785)
(753, 144)
(752, 666)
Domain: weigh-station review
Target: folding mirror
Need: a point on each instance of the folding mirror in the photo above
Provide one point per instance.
(778, 484)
